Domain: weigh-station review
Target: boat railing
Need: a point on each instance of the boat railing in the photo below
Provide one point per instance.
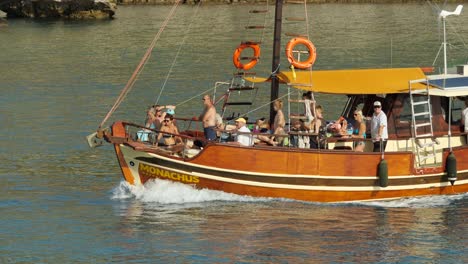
(227, 135)
(141, 133)
(193, 138)
(146, 139)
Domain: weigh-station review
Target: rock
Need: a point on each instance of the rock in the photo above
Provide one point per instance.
(71, 9)
(3, 22)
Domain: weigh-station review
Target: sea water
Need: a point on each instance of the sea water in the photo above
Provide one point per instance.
(61, 202)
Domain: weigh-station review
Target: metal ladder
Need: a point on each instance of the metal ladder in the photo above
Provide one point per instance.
(422, 128)
(237, 84)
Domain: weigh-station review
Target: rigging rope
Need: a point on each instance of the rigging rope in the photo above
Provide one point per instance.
(264, 105)
(196, 96)
(265, 21)
(178, 52)
(140, 66)
(307, 19)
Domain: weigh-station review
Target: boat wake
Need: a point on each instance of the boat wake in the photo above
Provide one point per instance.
(418, 202)
(166, 192)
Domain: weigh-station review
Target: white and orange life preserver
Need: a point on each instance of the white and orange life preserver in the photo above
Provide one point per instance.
(310, 47)
(236, 58)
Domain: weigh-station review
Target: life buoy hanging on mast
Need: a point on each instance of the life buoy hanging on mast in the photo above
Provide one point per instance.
(236, 58)
(310, 48)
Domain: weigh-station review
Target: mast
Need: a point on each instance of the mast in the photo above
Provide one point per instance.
(276, 57)
(443, 14)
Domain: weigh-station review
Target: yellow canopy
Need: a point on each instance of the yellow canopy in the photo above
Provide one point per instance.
(365, 81)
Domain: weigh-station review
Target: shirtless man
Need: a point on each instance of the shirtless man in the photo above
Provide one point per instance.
(278, 126)
(208, 117)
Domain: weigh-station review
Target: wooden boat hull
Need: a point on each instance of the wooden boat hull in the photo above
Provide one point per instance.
(319, 176)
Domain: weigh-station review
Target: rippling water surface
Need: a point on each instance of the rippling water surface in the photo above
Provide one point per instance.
(61, 202)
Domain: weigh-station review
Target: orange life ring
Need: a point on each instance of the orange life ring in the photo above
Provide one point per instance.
(310, 47)
(237, 55)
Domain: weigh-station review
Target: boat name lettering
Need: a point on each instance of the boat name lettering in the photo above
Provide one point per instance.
(151, 171)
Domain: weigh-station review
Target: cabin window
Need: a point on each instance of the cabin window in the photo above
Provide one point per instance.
(457, 107)
(358, 102)
(406, 112)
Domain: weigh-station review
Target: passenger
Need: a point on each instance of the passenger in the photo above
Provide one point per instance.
(338, 127)
(242, 139)
(464, 118)
(309, 105)
(261, 126)
(359, 131)
(219, 124)
(208, 118)
(168, 127)
(158, 117)
(278, 126)
(170, 110)
(279, 122)
(160, 114)
(145, 134)
(318, 126)
(318, 121)
(150, 117)
(379, 131)
(297, 127)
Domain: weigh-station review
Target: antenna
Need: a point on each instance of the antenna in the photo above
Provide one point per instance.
(443, 14)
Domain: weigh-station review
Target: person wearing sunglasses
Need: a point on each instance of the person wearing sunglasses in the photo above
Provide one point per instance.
(359, 131)
(379, 130)
(168, 132)
(208, 118)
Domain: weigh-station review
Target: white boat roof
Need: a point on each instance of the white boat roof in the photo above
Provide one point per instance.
(450, 85)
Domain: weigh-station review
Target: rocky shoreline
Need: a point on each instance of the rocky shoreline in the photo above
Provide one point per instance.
(70, 9)
(168, 2)
(106, 9)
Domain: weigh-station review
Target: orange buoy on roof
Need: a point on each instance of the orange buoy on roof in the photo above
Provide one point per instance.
(310, 47)
(236, 58)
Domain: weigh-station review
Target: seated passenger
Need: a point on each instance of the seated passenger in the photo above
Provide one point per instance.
(294, 137)
(168, 127)
(339, 127)
(242, 139)
(261, 126)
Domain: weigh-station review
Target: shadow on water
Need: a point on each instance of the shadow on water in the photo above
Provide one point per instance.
(274, 229)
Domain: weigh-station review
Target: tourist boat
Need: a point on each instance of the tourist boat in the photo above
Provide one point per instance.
(426, 153)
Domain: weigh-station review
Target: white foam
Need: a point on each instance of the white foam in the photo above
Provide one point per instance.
(167, 192)
(419, 202)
